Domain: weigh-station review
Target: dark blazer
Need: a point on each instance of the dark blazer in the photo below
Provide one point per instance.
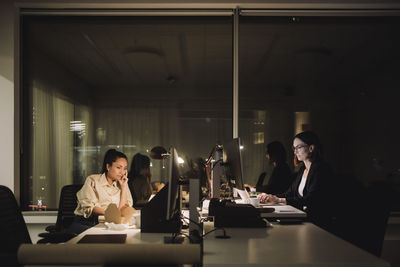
(279, 182)
(318, 193)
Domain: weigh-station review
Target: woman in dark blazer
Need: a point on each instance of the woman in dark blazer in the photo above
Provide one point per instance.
(312, 190)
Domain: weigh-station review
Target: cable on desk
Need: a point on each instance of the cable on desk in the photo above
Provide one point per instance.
(174, 238)
(218, 236)
(198, 224)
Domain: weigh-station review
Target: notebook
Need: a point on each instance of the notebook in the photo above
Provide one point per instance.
(101, 239)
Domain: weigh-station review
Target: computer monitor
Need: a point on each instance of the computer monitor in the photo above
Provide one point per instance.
(173, 205)
(162, 213)
(214, 171)
(233, 163)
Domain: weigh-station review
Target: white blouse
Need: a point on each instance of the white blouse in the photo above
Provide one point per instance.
(302, 184)
(97, 192)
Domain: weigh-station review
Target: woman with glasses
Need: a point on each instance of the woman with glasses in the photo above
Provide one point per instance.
(312, 190)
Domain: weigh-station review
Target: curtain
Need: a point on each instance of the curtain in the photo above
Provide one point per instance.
(86, 151)
(52, 145)
(137, 130)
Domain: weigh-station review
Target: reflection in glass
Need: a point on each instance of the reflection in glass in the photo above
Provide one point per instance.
(337, 76)
(97, 83)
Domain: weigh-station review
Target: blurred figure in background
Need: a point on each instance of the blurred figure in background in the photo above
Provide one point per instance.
(281, 176)
(140, 179)
(157, 186)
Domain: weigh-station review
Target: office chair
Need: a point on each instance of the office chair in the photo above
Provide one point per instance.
(13, 230)
(365, 221)
(58, 233)
(379, 198)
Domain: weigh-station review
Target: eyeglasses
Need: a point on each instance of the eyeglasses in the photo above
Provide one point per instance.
(295, 149)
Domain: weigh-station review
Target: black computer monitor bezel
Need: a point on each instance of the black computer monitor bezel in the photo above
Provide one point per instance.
(173, 185)
(162, 213)
(233, 161)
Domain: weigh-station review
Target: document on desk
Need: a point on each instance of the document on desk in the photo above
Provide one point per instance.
(284, 211)
(204, 209)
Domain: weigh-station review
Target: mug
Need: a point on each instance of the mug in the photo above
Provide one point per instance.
(136, 217)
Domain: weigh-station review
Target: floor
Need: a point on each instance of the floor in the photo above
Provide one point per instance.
(391, 245)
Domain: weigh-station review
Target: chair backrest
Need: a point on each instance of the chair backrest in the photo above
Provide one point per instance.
(13, 230)
(67, 205)
(378, 205)
(365, 221)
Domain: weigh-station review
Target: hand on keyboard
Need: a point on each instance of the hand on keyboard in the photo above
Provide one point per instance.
(264, 198)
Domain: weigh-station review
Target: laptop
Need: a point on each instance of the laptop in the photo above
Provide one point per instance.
(104, 239)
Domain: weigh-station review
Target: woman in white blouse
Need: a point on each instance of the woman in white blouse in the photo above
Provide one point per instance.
(100, 190)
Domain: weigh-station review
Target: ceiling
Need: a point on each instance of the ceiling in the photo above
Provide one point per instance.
(280, 57)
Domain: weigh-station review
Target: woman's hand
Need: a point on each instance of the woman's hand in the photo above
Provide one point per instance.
(274, 199)
(157, 186)
(263, 197)
(123, 182)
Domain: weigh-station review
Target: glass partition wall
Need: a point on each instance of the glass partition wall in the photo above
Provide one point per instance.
(336, 76)
(132, 83)
(129, 83)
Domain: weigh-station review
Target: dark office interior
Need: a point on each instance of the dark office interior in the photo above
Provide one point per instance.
(138, 82)
(116, 79)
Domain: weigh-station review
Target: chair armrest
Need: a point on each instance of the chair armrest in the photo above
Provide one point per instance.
(55, 237)
(51, 228)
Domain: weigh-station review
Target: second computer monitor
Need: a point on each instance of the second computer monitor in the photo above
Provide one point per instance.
(162, 213)
(173, 186)
(233, 163)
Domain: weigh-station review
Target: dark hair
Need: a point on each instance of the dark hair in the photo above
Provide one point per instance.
(111, 156)
(276, 152)
(139, 164)
(310, 138)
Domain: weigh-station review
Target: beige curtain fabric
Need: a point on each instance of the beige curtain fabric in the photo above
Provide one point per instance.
(137, 130)
(130, 130)
(52, 144)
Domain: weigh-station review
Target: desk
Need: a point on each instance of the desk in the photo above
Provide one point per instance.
(133, 236)
(280, 245)
(284, 245)
(281, 211)
(37, 221)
